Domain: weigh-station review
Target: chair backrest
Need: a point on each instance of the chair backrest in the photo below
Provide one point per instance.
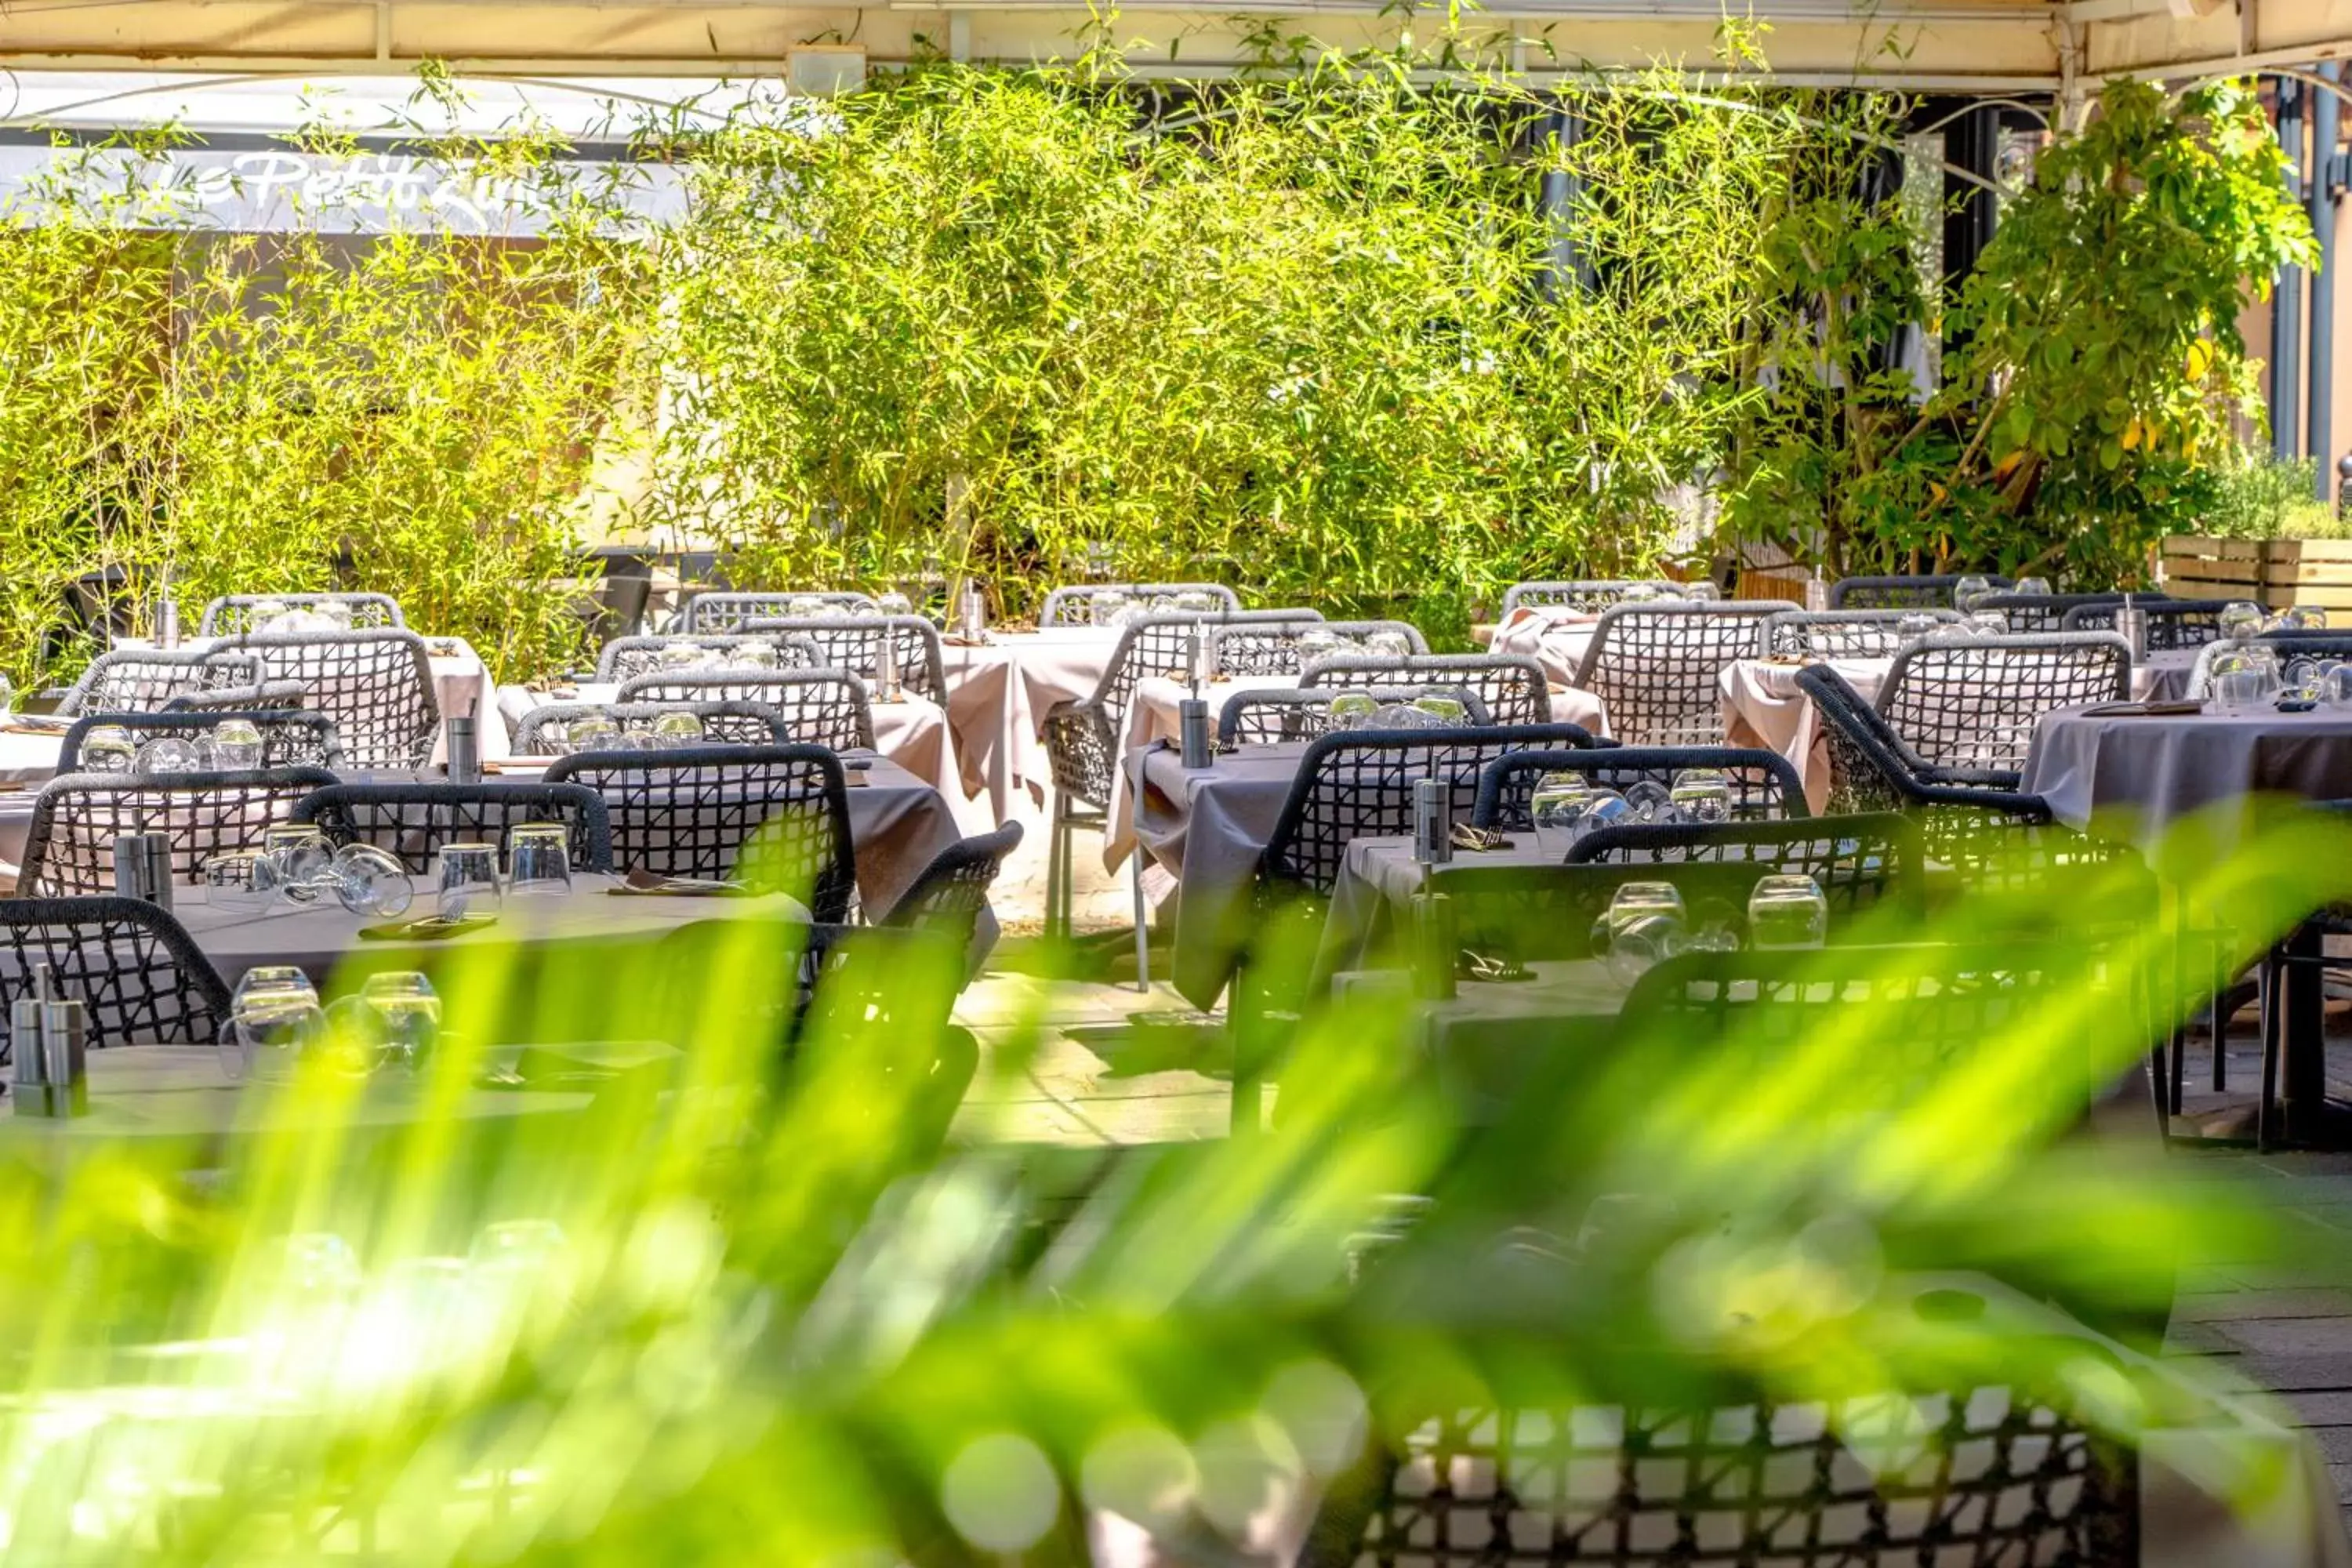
(2172, 624)
(274, 696)
(2302, 656)
(1512, 687)
(822, 706)
(713, 612)
(1655, 667)
(1902, 593)
(289, 737)
(2032, 614)
(775, 816)
(1360, 784)
(1287, 713)
(1856, 860)
(855, 643)
(233, 615)
(1238, 652)
(377, 686)
(1764, 785)
(1844, 634)
(1161, 645)
(1590, 596)
(948, 894)
(415, 820)
(1073, 606)
(623, 658)
(545, 732)
(70, 849)
(1973, 702)
(142, 680)
(129, 961)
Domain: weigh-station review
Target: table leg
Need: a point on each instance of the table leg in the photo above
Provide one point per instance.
(2303, 1068)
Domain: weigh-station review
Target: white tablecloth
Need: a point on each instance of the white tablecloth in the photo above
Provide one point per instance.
(1554, 638)
(999, 694)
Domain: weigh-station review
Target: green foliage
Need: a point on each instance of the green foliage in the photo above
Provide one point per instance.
(2261, 496)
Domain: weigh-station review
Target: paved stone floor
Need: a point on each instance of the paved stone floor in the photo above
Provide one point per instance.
(1111, 1067)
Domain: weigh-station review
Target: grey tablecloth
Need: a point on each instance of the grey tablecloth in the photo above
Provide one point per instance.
(1376, 877)
(2167, 768)
(1481, 1047)
(1210, 828)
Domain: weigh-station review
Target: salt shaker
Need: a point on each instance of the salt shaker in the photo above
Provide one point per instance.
(28, 1066)
(65, 1059)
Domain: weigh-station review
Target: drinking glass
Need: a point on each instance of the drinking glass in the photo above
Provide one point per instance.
(300, 858)
(2241, 620)
(336, 614)
(2335, 685)
(1388, 643)
(1604, 808)
(1317, 644)
(1351, 711)
(2031, 585)
(267, 613)
(1640, 593)
(757, 654)
(235, 880)
(676, 730)
(894, 603)
(1556, 807)
(2241, 691)
(679, 655)
(275, 1017)
(1192, 601)
(167, 755)
(408, 1015)
(106, 749)
(371, 881)
(1786, 911)
(538, 860)
(865, 610)
(1917, 625)
(1105, 605)
(1987, 624)
(236, 745)
(1702, 795)
(1704, 591)
(1652, 801)
(1395, 716)
(1442, 711)
(803, 606)
(466, 876)
(1967, 588)
(1643, 926)
(597, 732)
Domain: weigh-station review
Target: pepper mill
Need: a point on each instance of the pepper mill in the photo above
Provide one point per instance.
(1433, 822)
(28, 1066)
(465, 761)
(1193, 731)
(65, 1060)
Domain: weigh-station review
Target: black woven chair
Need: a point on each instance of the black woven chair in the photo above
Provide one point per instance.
(1083, 738)
(1589, 595)
(2172, 624)
(728, 612)
(1872, 768)
(948, 894)
(1844, 634)
(544, 732)
(1973, 702)
(233, 615)
(412, 821)
(820, 707)
(855, 643)
(134, 967)
(2301, 655)
(1281, 714)
(773, 816)
(1073, 606)
(142, 680)
(1913, 593)
(70, 848)
(1655, 667)
(1764, 785)
(624, 659)
(271, 696)
(1512, 688)
(289, 737)
(377, 686)
(1858, 861)
(2035, 615)
(1241, 652)
(1992, 1475)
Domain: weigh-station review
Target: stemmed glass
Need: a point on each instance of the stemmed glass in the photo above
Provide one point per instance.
(1441, 711)
(1651, 801)
(2302, 618)
(894, 603)
(2031, 585)
(1388, 643)
(1108, 607)
(1987, 624)
(1701, 796)
(2335, 685)
(2239, 620)
(677, 656)
(167, 755)
(757, 654)
(593, 733)
(236, 745)
(106, 749)
(1786, 911)
(237, 880)
(1557, 806)
(677, 729)
(1643, 926)
(274, 1017)
(370, 880)
(1916, 625)
(1350, 710)
(1969, 588)
(804, 607)
(300, 858)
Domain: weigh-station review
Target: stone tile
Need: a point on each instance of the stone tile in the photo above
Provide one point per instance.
(2223, 1306)
(2336, 1443)
(2290, 1337)
(2326, 1408)
(2292, 1373)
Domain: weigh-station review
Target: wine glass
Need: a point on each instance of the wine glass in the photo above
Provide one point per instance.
(466, 879)
(1643, 926)
(1915, 625)
(2241, 691)
(894, 603)
(1556, 807)
(1652, 801)
(1703, 591)
(2335, 685)
(757, 654)
(370, 880)
(1105, 605)
(106, 749)
(1194, 602)
(1388, 643)
(275, 1017)
(1351, 711)
(236, 879)
(676, 730)
(1315, 644)
(538, 860)
(407, 1012)
(266, 614)
(1701, 796)
(300, 858)
(804, 606)
(167, 755)
(1987, 624)
(236, 745)
(1605, 808)
(593, 733)
(864, 609)
(7, 696)
(2031, 585)
(2239, 620)
(1786, 911)
(1442, 712)
(1969, 587)
(675, 656)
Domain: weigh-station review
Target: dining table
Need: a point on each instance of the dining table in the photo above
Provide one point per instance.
(1000, 690)
(1210, 826)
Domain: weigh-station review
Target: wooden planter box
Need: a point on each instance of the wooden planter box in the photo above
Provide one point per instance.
(2272, 573)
